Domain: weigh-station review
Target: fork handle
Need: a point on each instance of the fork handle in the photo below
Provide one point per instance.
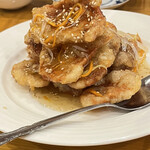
(9, 136)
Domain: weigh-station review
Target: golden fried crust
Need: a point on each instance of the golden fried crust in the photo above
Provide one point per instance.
(124, 60)
(95, 76)
(25, 73)
(118, 86)
(104, 58)
(64, 71)
(87, 28)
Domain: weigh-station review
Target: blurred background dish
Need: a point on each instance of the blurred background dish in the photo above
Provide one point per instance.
(112, 3)
(105, 2)
(13, 4)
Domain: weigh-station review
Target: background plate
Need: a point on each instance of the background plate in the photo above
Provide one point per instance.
(113, 3)
(18, 108)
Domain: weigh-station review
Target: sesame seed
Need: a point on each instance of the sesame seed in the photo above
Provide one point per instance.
(93, 3)
(77, 21)
(48, 70)
(71, 21)
(43, 56)
(59, 15)
(86, 25)
(82, 33)
(56, 10)
(76, 9)
(78, 37)
(66, 13)
(89, 19)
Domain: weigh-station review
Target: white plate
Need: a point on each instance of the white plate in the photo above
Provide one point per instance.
(113, 3)
(18, 108)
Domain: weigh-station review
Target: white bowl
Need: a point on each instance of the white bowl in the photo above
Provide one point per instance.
(13, 4)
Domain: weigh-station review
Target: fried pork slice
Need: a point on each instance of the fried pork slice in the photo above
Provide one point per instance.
(117, 86)
(124, 60)
(74, 21)
(103, 59)
(26, 74)
(132, 53)
(87, 81)
(66, 64)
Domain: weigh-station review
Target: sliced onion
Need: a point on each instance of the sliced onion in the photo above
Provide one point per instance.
(125, 42)
(80, 54)
(43, 27)
(100, 66)
(51, 54)
(79, 48)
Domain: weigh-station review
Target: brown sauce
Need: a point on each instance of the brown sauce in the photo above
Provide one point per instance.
(51, 98)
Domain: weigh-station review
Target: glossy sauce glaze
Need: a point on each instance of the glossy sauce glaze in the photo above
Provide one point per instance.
(52, 98)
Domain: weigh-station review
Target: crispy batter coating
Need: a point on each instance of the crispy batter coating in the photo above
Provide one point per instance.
(129, 54)
(85, 28)
(124, 60)
(66, 66)
(26, 74)
(94, 77)
(117, 86)
(103, 59)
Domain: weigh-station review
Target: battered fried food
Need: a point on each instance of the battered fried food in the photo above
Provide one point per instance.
(117, 86)
(71, 44)
(102, 60)
(26, 74)
(66, 21)
(66, 66)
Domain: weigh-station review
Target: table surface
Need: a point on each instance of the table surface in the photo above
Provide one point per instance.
(10, 18)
